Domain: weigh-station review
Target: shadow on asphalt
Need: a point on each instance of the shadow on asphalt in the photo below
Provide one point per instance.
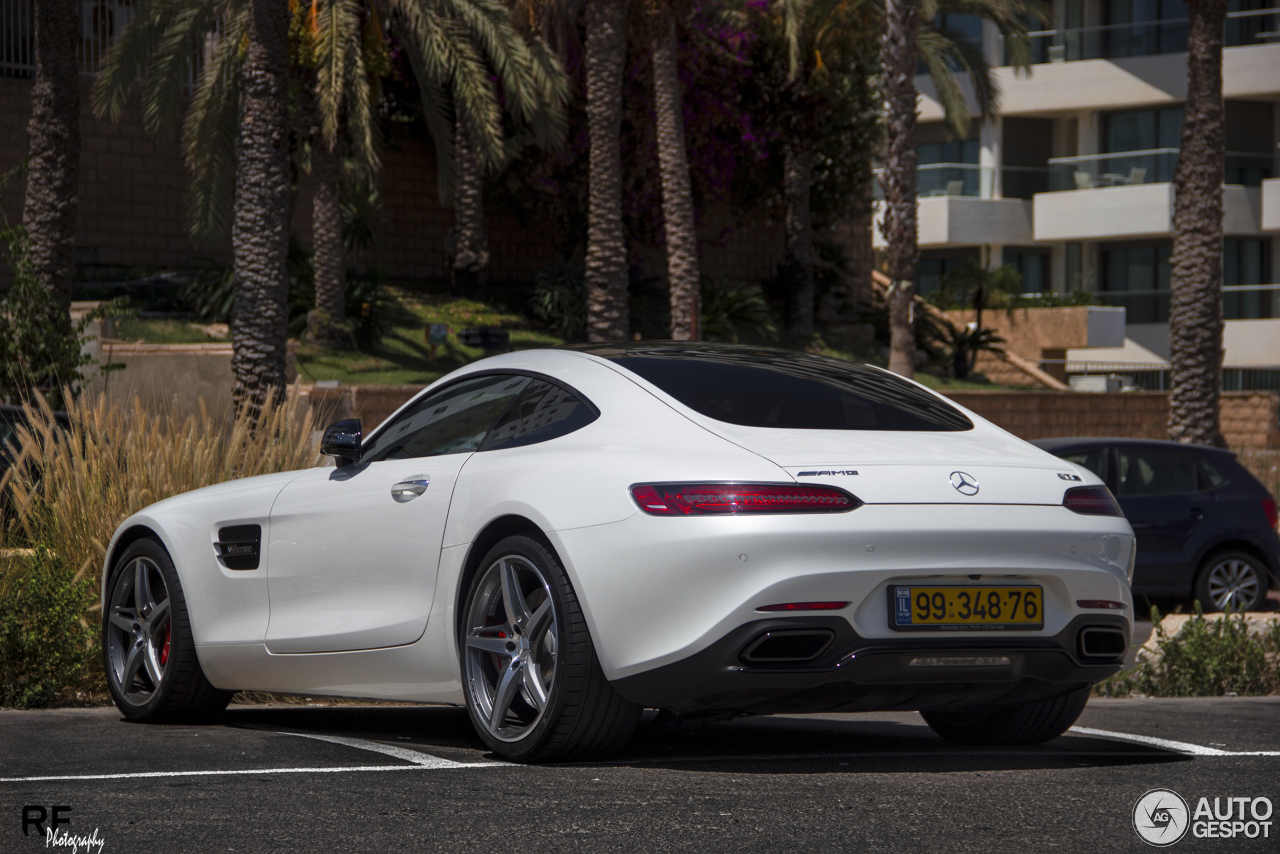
(750, 745)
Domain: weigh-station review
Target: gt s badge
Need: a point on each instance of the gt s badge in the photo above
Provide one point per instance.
(1062, 476)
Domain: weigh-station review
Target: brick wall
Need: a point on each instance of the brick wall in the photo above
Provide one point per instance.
(1249, 419)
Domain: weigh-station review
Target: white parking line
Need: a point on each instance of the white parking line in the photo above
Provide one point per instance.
(1165, 744)
(426, 760)
(418, 762)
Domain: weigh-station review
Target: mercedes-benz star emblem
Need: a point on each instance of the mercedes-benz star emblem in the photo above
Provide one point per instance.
(965, 484)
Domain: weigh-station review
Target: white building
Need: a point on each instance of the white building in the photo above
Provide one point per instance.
(1072, 183)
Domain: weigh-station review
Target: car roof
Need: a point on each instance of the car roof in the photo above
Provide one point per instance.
(1060, 443)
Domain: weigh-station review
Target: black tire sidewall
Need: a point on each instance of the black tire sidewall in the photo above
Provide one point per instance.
(181, 641)
(1202, 579)
(545, 560)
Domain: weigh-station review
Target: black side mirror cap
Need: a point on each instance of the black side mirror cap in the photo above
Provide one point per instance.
(342, 441)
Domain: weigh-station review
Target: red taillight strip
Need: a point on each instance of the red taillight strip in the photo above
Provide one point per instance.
(1091, 501)
(804, 606)
(721, 499)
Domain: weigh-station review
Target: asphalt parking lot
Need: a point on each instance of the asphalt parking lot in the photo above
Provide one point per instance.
(414, 778)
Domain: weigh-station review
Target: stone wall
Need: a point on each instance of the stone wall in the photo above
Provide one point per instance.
(1249, 419)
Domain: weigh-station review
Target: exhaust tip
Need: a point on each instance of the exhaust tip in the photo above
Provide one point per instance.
(787, 645)
(1102, 642)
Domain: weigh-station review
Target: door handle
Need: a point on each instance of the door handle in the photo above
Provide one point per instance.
(407, 490)
(1195, 514)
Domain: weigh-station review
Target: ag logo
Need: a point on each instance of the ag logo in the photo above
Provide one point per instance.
(1161, 818)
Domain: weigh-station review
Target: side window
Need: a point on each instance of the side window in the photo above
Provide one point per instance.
(452, 421)
(543, 412)
(1210, 477)
(1157, 471)
(1094, 459)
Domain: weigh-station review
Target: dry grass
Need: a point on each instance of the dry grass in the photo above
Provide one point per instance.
(72, 488)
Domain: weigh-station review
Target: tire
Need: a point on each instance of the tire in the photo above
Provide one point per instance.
(1234, 579)
(535, 690)
(1026, 723)
(148, 652)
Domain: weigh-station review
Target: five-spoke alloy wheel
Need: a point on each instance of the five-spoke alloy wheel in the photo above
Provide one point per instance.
(150, 656)
(1231, 581)
(535, 689)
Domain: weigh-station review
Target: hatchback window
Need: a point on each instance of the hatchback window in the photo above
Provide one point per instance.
(544, 411)
(454, 420)
(1210, 477)
(1157, 471)
(768, 388)
(1094, 459)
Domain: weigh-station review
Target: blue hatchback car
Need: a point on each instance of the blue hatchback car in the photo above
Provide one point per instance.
(1206, 527)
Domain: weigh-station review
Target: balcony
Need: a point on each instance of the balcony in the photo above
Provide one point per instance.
(1145, 38)
(1154, 166)
(1239, 302)
(947, 179)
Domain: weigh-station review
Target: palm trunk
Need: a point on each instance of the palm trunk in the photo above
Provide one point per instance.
(260, 232)
(797, 263)
(608, 315)
(53, 177)
(677, 192)
(899, 179)
(326, 325)
(1195, 319)
(471, 251)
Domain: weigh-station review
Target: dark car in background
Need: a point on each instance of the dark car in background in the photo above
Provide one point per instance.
(1206, 527)
(11, 417)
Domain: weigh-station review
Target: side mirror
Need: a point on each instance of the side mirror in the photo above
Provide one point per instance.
(342, 441)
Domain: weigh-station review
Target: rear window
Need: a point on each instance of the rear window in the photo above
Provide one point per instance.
(791, 391)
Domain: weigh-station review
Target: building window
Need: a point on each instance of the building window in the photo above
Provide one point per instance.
(1144, 27)
(936, 265)
(1033, 265)
(1136, 276)
(1247, 262)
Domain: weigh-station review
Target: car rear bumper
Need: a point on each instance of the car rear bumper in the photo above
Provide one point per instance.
(852, 673)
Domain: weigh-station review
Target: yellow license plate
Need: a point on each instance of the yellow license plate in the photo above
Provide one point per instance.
(916, 609)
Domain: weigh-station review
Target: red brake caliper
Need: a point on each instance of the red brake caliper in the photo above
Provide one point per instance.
(164, 650)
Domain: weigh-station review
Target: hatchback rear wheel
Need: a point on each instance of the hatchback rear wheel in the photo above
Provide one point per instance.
(1231, 581)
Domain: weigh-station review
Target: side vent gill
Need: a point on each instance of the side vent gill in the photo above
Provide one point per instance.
(239, 546)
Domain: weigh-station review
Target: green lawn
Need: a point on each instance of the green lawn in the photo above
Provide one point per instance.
(150, 331)
(401, 357)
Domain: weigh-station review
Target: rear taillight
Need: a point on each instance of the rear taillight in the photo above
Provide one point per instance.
(1269, 507)
(726, 499)
(1091, 501)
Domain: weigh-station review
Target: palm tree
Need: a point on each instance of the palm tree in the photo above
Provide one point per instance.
(910, 35)
(608, 315)
(455, 46)
(1195, 316)
(53, 174)
(260, 228)
(683, 278)
(535, 89)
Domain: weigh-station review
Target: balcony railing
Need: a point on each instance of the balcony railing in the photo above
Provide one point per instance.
(1239, 302)
(948, 179)
(1153, 166)
(1144, 38)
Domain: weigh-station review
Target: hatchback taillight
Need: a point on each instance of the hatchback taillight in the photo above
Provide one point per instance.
(1091, 501)
(1269, 507)
(721, 499)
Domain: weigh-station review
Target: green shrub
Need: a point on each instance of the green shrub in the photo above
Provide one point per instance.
(44, 641)
(1207, 658)
(560, 299)
(736, 312)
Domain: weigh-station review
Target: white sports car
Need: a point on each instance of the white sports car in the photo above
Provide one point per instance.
(560, 538)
